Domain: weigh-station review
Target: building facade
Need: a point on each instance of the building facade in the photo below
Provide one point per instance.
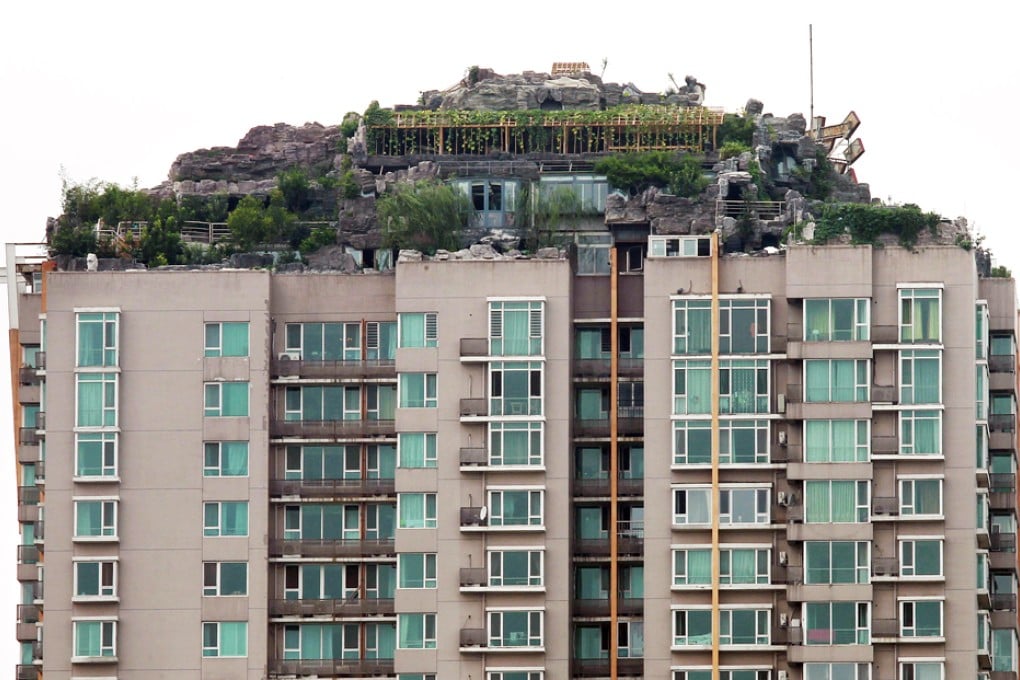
(643, 459)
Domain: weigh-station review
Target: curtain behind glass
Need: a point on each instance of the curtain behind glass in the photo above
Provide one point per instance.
(843, 501)
(816, 501)
(699, 566)
(515, 332)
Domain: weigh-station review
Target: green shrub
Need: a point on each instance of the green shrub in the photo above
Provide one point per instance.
(733, 148)
(736, 128)
(866, 223)
(293, 184)
(635, 172)
(424, 216)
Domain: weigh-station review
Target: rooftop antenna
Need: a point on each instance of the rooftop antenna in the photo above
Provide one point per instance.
(811, 62)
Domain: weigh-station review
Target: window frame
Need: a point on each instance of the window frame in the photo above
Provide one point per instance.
(908, 563)
(109, 516)
(534, 520)
(213, 408)
(860, 330)
(500, 403)
(107, 638)
(105, 591)
(430, 458)
(908, 328)
(908, 419)
(497, 432)
(215, 349)
(108, 454)
(907, 670)
(429, 503)
(535, 618)
(429, 389)
(861, 568)
(428, 625)
(907, 373)
(908, 608)
(217, 530)
(907, 487)
(862, 631)
(110, 399)
(215, 588)
(861, 446)
(217, 469)
(430, 576)
(861, 381)
(535, 311)
(110, 351)
(347, 352)
(495, 561)
(861, 506)
(430, 331)
(215, 650)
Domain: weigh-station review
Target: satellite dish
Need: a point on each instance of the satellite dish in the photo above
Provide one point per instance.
(483, 512)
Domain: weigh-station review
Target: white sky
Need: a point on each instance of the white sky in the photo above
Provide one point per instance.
(116, 90)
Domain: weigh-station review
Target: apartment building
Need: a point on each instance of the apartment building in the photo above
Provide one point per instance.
(641, 458)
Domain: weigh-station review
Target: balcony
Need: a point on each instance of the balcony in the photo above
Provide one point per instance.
(473, 516)
(625, 606)
(28, 436)
(885, 445)
(625, 486)
(474, 348)
(474, 577)
(27, 672)
(1003, 602)
(28, 495)
(27, 375)
(28, 561)
(596, 668)
(598, 369)
(473, 407)
(885, 335)
(28, 613)
(885, 505)
(28, 455)
(995, 675)
(26, 632)
(471, 456)
(339, 668)
(473, 637)
(884, 394)
(630, 423)
(331, 488)
(330, 548)
(28, 513)
(330, 429)
(1002, 363)
(885, 566)
(629, 541)
(40, 361)
(885, 628)
(351, 606)
(998, 422)
(331, 369)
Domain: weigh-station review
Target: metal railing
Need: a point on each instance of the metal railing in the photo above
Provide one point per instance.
(473, 637)
(473, 516)
(885, 505)
(331, 667)
(474, 455)
(28, 554)
(204, 232)
(474, 406)
(28, 495)
(1002, 422)
(307, 368)
(763, 210)
(885, 445)
(1002, 541)
(28, 613)
(331, 488)
(593, 668)
(884, 394)
(351, 606)
(625, 486)
(330, 548)
(1003, 601)
(885, 566)
(599, 368)
(885, 628)
(1002, 363)
(330, 429)
(28, 436)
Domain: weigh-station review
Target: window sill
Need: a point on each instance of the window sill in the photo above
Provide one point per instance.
(97, 479)
(95, 598)
(95, 539)
(93, 659)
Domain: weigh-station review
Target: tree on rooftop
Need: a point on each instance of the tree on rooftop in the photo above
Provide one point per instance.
(424, 216)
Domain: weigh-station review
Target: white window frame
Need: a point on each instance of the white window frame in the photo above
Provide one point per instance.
(216, 410)
(680, 520)
(430, 390)
(908, 558)
(906, 487)
(428, 441)
(104, 378)
(216, 350)
(908, 357)
(498, 402)
(428, 521)
(861, 328)
(429, 570)
(115, 348)
(862, 446)
(218, 527)
(430, 333)
(494, 564)
(215, 651)
(217, 469)
(909, 604)
(497, 432)
(859, 387)
(214, 589)
(429, 624)
(907, 432)
(761, 495)
(108, 528)
(907, 294)
(859, 628)
(862, 507)
(497, 673)
(534, 521)
(681, 433)
(681, 309)
(348, 352)
(758, 303)
(905, 673)
(534, 615)
(109, 445)
(862, 563)
(107, 591)
(727, 402)
(536, 323)
(108, 629)
(681, 400)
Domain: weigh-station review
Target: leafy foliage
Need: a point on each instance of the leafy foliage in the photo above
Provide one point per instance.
(736, 128)
(733, 148)
(865, 223)
(1001, 272)
(423, 216)
(318, 238)
(635, 172)
(161, 242)
(294, 186)
(542, 215)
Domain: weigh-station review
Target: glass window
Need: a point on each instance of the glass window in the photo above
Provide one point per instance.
(744, 326)
(738, 674)
(226, 518)
(418, 329)
(692, 387)
(743, 442)
(920, 315)
(692, 442)
(381, 340)
(744, 566)
(921, 670)
(96, 454)
(226, 399)
(515, 388)
(515, 568)
(744, 506)
(96, 579)
(593, 253)
(323, 462)
(692, 505)
(326, 341)
(692, 627)
(589, 195)
(692, 327)
(416, 631)
(836, 320)
(416, 449)
(744, 627)
(921, 433)
(95, 519)
(920, 497)
(323, 641)
(325, 403)
(838, 623)
(921, 558)
(226, 339)
(516, 328)
(418, 390)
(744, 386)
(515, 444)
(515, 508)
(837, 501)
(836, 441)
(416, 570)
(514, 675)
(225, 638)
(224, 578)
(835, 562)
(95, 639)
(97, 339)
(97, 399)
(692, 567)
(981, 330)
(837, 671)
(417, 510)
(921, 618)
(1004, 650)
(515, 629)
(836, 380)
(416, 676)
(226, 459)
(920, 377)
(322, 581)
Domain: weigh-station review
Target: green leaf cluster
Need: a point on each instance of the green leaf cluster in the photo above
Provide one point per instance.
(736, 128)
(424, 216)
(865, 223)
(252, 223)
(636, 172)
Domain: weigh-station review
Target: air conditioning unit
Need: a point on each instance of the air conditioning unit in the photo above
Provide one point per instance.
(782, 437)
(782, 675)
(784, 620)
(783, 558)
(290, 355)
(783, 498)
(483, 513)
(781, 403)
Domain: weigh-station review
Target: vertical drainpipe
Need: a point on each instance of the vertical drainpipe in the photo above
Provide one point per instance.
(614, 465)
(715, 455)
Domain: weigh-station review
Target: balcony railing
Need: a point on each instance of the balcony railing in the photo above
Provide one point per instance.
(474, 347)
(474, 455)
(599, 368)
(1002, 481)
(1002, 422)
(40, 421)
(995, 675)
(330, 548)
(885, 628)
(28, 513)
(28, 436)
(599, 547)
(885, 394)
(473, 637)
(1002, 542)
(330, 429)
(28, 613)
(28, 455)
(27, 672)
(351, 606)
(331, 488)
(1002, 363)
(473, 516)
(305, 368)
(40, 361)
(630, 422)
(625, 606)
(1004, 602)
(885, 566)
(625, 486)
(473, 406)
(594, 668)
(28, 554)
(885, 505)
(885, 445)
(28, 495)
(885, 335)
(340, 668)
(27, 375)
(474, 576)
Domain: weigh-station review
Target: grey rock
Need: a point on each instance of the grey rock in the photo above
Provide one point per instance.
(409, 256)
(249, 260)
(482, 251)
(547, 254)
(753, 107)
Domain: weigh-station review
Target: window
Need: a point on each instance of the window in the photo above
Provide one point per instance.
(593, 253)
(921, 670)
(224, 578)
(225, 638)
(921, 433)
(226, 459)
(837, 441)
(679, 246)
(30, 356)
(416, 676)
(588, 197)
(744, 386)
(515, 568)
(920, 377)
(97, 399)
(920, 498)
(322, 641)
(323, 462)
(744, 326)
(692, 442)
(837, 671)
(418, 390)
(380, 402)
(514, 675)
(921, 618)
(515, 628)
(322, 521)
(416, 449)
(739, 674)
(835, 562)
(416, 570)
(921, 558)
(743, 506)
(692, 506)
(692, 387)
(837, 501)
(95, 579)
(226, 518)
(736, 627)
(418, 329)
(836, 320)
(95, 519)
(516, 328)
(516, 388)
(737, 566)
(326, 341)
(920, 315)
(981, 397)
(515, 444)
(510, 508)
(692, 327)
(838, 623)
(226, 399)
(96, 454)
(981, 330)
(95, 639)
(226, 339)
(743, 442)
(322, 581)
(416, 631)
(836, 380)
(329, 403)
(417, 510)
(381, 340)
(1004, 649)
(97, 339)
